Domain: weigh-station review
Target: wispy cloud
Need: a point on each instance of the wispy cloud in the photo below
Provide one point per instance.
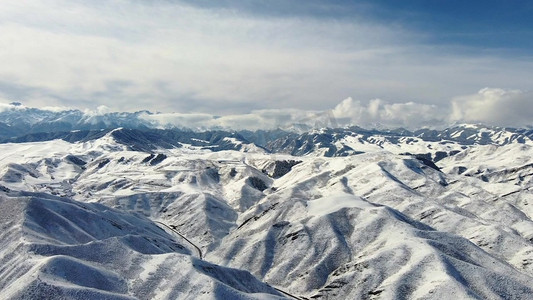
(170, 56)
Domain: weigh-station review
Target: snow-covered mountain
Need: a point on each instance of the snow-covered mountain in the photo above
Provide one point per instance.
(19, 123)
(17, 120)
(56, 248)
(327, 214)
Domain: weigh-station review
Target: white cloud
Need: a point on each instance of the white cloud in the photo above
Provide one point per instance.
(6, 105)
(164, 120)
(374, 114)
(167, 56)
(255, 120)
(379, 113)
(99, 111)
(56, 108)
(489, 106)
(494, 106)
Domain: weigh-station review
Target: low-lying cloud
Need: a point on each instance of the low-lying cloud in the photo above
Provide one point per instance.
(490, 106)
(373, 114)
(494, 107)
(255, 120)
(378, 113)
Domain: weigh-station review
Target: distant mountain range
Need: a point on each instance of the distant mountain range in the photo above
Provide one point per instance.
(17, 121)
(22, 124)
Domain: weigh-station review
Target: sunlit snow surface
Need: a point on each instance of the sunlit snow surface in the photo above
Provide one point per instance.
(77, 220)
(54, 248)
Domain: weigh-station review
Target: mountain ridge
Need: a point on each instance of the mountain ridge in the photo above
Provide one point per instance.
(324, 214)
(20, 123)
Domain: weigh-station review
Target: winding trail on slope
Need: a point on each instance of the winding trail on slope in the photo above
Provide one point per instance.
(200, 254)
(287, 294)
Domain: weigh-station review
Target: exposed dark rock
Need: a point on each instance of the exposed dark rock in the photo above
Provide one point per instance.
(280, 168)
(148, 158)
(75, 160)
(213, 173)
(257, 183)
(440, 155)
(423, 158)
(103, 163)
(159, 158)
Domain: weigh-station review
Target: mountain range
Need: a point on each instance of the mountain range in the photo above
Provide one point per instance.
(115, 207)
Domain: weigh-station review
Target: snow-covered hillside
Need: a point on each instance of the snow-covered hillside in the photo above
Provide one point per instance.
(329, 214)
(56, 248)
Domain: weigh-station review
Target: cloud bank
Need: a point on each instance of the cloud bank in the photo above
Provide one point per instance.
(379, 113)
(255, 120)
(495, 107)
(490, 106)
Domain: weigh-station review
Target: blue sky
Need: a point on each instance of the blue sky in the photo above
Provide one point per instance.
(239, 57)
(483, 25)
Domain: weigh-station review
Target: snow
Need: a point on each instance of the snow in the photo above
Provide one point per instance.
(330, 204)
(80, 250)
(376, 224)
(406, 145)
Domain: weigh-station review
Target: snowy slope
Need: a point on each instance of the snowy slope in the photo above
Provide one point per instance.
(379, 223)
(382, 224)
(435, 144)
(58, 248)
